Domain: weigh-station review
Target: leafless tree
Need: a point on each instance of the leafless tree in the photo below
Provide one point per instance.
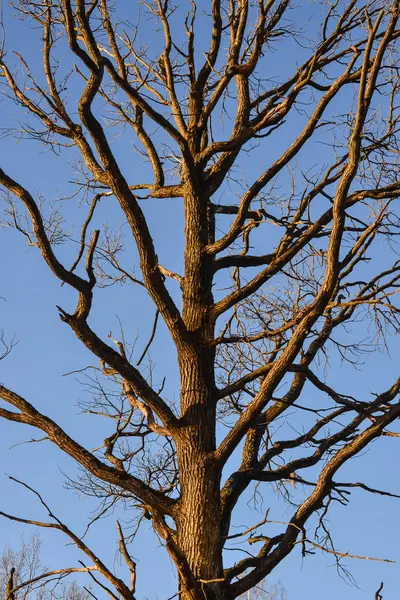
(21, 576)
(264, 592)
(287, 172)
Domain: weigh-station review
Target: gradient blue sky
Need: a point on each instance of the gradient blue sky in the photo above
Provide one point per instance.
(47, 349)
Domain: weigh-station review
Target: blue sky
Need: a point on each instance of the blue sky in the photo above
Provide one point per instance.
(47, 349)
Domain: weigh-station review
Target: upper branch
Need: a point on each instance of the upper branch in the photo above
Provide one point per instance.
(322, 298)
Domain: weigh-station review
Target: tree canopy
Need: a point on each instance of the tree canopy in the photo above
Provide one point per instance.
(233, 167)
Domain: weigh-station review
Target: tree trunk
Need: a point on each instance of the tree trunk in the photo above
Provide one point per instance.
(198, 529)
(199, 524)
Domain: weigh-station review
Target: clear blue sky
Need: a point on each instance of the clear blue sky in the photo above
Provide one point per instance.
(47, 349)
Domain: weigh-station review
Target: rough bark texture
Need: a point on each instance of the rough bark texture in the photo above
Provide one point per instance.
(198, 524)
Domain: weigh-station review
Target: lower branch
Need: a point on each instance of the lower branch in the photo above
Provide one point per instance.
(30, 416)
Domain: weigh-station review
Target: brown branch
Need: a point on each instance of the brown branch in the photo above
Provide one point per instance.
(345, 554)
(267, 561)
(10, 585)
(50, 574)
(332, 261)
(60, 526)
(30, 416)
(127, 557)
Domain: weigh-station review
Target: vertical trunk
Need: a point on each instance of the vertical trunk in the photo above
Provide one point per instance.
(199, 525)
(198, 529)
(199, 522)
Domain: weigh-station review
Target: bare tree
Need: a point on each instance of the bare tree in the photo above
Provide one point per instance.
(282, 251)
(262, 591)
(22, 577)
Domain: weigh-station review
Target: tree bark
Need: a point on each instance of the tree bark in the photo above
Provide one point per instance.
(199, 526)
(199, 522)
(10, 585)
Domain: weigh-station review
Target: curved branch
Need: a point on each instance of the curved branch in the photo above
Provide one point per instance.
(30, 416)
